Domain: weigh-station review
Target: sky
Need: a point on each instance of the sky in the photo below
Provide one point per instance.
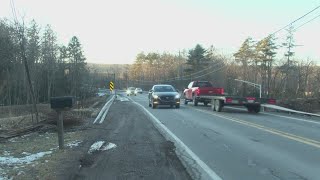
(115, 31)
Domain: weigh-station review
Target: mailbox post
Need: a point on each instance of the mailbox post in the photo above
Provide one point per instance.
(60, 104)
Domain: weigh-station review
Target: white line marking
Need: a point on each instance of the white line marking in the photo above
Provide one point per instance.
(103, 110)
(169, 135)
(267, 129)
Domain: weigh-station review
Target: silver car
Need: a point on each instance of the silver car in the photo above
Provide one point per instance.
(137, 90)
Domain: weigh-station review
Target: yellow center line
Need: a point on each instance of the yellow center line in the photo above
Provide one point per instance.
(300, 139)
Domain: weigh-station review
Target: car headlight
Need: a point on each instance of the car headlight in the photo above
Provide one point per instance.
(155, 96)
(177, 96)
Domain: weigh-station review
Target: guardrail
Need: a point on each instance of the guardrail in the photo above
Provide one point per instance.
(288, 110)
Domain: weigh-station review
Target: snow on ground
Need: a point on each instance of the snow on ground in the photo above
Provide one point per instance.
(109, 146)
(100, 145)
(95, 146)
(6, 153)
(10, 160)
(74, 143)
(1, 174)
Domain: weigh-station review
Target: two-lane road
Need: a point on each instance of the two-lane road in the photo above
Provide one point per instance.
(240, 145)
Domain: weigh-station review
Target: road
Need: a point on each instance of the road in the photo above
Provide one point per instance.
(237, 145)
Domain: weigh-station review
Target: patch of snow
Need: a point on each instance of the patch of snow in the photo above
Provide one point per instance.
(109, 146)
(95, 146)
(53, 149)
(2, 175)
(123, 99)
(26, 135)
(24, 160)
(6, 153)
(74, 143)
(13, 139)
(21, 173)
(26, 153)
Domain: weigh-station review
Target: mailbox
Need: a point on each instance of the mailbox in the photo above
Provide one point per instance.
(61, 103)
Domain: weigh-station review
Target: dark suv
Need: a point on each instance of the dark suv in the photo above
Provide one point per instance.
(164, 94)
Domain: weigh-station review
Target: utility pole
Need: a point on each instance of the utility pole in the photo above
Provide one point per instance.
(114, 82)
(290, 44)
(180, 71)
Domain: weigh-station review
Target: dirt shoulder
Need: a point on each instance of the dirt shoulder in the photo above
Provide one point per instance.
(130, 148)
(141, 152)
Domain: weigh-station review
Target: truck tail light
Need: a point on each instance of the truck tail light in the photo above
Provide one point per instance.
(251, 98)
(221, 91)
(197, 92)
(228, 100)
(272, 101)
(218, 91)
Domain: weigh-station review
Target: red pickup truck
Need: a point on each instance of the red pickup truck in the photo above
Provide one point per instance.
(203, 91)
(197, 89)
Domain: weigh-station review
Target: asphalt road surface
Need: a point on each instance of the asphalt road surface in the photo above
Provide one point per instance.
(237, 145)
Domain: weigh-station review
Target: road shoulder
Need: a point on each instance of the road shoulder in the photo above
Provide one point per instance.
(141, 152)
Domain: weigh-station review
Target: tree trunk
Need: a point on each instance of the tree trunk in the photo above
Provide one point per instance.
(24, 58)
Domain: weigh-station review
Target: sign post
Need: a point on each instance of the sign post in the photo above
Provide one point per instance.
(61, 104)
(60, 129)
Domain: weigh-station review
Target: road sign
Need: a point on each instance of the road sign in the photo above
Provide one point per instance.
(111, 86)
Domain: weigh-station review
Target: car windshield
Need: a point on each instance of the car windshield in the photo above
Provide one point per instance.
(160, 89)
(163, 89)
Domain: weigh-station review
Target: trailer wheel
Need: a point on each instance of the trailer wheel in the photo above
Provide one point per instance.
(218, 106)
(195, 101)
(257, 109)
(250, 109)
(213, 105)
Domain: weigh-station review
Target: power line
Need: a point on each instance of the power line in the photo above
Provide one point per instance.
(185, 76)
(190, 75)
(295, 20)
(148, 82)
(307, 22)
(222, 67)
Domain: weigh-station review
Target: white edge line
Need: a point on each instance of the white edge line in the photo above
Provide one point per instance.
(106, 111)
(102, 111)
(170, 136)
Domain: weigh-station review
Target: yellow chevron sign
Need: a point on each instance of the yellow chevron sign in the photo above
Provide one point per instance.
(111, 86)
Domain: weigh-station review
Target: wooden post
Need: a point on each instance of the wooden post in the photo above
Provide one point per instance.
(60, 130)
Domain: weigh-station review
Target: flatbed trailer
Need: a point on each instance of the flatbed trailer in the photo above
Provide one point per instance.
(253, 104)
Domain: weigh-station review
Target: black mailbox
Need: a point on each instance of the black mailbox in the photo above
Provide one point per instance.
(61, 103)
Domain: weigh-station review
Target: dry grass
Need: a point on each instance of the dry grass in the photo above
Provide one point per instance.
(48, 166)
(45, 167)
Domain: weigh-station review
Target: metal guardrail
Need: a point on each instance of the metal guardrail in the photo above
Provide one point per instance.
(288, 110)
